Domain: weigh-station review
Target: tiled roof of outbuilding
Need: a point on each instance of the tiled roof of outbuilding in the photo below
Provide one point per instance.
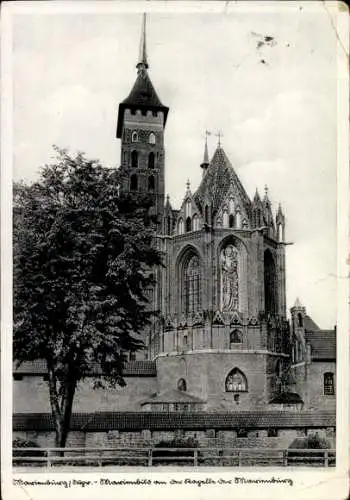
(309, 324)
(216, 183)
(287, 398)
(323, 344)
(104, 421)
(173, 396)
(132, 368)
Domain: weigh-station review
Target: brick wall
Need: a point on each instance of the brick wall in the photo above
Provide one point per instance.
(217, 438)
(205, 374)
(309, 384)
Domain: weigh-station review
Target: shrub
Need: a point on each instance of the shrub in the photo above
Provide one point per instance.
(311, 442)
(26, 443)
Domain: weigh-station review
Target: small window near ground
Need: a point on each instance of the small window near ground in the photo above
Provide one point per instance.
(328, 384)
(182, 385)
(236, 381)
(272, 433)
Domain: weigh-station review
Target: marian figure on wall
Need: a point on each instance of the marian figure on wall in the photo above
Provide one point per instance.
(229, 278)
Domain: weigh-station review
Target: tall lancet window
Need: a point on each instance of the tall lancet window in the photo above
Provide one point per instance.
(229, 278)
(270, 283)
(192, 290)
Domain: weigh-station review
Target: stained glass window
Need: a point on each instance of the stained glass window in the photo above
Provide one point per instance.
(236, 381)
(192, 291)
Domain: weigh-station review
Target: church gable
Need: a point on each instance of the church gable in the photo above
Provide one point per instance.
(219, 178)
(232, 212)
(189, 217)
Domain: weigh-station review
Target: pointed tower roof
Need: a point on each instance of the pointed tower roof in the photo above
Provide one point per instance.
(142, 62)
(266, 199)
(205, 162)
(143, 95)
(217, 181)
(167, 203)
(257, 199)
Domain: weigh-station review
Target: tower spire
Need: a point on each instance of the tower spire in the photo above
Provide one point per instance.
(142, 61)
(205, 162)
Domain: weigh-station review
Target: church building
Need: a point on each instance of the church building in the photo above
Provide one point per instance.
(223, 344)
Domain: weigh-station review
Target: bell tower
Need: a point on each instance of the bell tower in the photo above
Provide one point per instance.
(141, 123)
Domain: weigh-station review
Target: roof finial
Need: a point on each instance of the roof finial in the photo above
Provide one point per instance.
(206, 155)
(188, 184)
(142, 61)
(219, 135)
(266, 190)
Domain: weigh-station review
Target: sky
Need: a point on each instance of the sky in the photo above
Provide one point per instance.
(274, 100)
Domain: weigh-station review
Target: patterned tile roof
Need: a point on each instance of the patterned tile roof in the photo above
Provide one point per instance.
(133, 368)
(216, 183)
(103, 421)
(142, 96)
(309, 324)
(323, 344)
(173, 396)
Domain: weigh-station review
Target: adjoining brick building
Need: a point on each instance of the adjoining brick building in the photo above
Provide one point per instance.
(222, 357)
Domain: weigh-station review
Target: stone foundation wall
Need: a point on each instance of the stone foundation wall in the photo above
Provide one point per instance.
(206, 438)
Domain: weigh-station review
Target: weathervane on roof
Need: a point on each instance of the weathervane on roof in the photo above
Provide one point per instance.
(219, 134)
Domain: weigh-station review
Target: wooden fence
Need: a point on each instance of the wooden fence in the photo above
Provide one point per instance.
(150, 457)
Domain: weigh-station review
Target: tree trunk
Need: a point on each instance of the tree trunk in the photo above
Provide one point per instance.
(61, 406)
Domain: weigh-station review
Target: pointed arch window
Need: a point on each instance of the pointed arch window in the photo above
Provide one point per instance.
(231, 220)
(270, 283)
(328, 384)
(195, 222)
(280, 232)
(134, 136)
(151, 183)
(235, 337)
(192, 285)
(236, 381)
(168, 225)
(134, 159)
(188, 224)
(152, 138)
(238, 218)
(180, 226)
(151, 160)
(232, 206)
(188, 208)
(133, 182)
(181, 385)
(225, 219)
(300, 320)
(206, 214)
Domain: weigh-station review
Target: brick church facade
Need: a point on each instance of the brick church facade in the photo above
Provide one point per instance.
(223, 344)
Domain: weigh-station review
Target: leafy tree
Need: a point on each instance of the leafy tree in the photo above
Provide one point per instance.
(83, 259)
